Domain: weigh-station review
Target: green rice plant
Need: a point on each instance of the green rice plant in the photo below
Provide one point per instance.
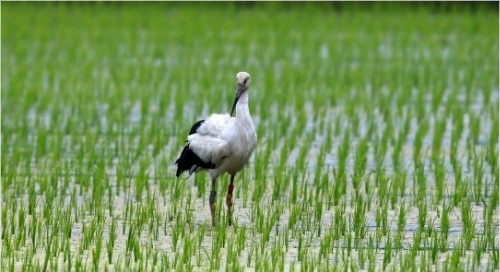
(478, 178)
(382, 220)
(402, 219)
(340, 171)
(445, 227)
(439, 171)
(399, 182)
(469, 230)
(96, 252)
(435, 245)
(132, 244)
(383, 187)
(188, 250)
(111, 241)
(340, 220)
(460, 189)
(420, 183)
(359, 221)
(279, 184)
(398, 241)
(492, 150)
(387, 253)
(494, 253)
(494, 200)
(380, 150)
(34, 231)
(249, 257)
(456, 133)
(396, 152)
(362, 258)
(437, 139)
(408, 262)
(481, 246)
(318, 213)
(475, 128)
(422, 215)
(277, 258)
(453, 261)
(360, 163)
(422, 130)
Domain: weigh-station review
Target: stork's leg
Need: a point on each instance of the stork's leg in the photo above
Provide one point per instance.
(213, 194)
(229, 201)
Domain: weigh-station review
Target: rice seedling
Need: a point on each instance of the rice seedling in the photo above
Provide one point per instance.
(387, 253)
(469, 230)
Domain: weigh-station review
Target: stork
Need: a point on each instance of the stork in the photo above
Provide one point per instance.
(221, 144)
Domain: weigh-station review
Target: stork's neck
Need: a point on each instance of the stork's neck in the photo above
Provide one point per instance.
(242, 111)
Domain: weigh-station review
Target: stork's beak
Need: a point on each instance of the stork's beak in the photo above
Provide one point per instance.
(238, 94)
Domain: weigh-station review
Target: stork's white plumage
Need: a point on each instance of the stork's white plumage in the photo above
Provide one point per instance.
(221, 143)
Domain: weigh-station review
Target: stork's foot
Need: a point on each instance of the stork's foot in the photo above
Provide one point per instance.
(229, 203)
(213, 194)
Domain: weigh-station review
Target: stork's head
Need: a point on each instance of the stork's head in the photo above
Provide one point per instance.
(242, 82)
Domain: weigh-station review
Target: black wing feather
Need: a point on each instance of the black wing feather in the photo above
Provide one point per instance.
(188, 158)
(195, 127)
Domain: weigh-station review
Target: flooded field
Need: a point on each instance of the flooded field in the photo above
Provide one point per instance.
(377, 136)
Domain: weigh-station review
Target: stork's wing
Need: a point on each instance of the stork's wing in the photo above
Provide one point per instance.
(206, 138)
(209, 149)
(214, 126)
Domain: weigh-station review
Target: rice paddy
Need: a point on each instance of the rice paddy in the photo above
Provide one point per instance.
(377, 136)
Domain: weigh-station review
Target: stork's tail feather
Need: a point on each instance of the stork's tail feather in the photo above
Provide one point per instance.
(190, 161)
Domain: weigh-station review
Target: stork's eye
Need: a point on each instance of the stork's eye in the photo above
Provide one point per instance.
(245, 81)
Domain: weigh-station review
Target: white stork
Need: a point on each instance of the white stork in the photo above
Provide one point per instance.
(221, 143)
